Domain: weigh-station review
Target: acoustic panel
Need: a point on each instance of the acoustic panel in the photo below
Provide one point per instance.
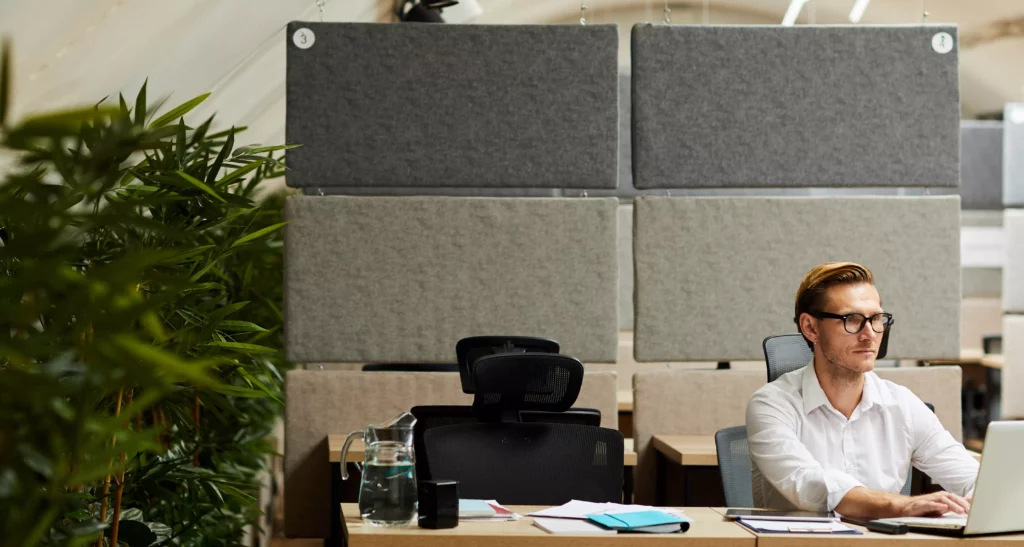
(981, 165)
(771, 106)
(1012, 404)
(402, 279)
(1013, 155)
(715, 276)
(453, 105)
(1013, 271)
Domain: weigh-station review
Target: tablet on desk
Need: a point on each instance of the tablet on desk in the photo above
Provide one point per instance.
(771, 514)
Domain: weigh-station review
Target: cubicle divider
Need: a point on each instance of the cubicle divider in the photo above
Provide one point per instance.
(981, 165)
(322, 403)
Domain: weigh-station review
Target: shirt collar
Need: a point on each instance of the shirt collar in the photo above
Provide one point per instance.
(815, 397)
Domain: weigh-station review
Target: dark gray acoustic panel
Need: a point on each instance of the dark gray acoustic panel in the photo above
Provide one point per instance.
(1013, 155)
(771, 106)
(453, 106)
(402, 279)
(715, 276)
(981, 165)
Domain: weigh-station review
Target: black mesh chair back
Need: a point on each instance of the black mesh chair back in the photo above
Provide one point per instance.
(785, 353)
(513, 382)
(734, 466)
(432, 416)
(528, 463)
(468, 350)
(411, 367)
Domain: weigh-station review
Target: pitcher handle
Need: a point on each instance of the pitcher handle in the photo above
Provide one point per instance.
(344, 452)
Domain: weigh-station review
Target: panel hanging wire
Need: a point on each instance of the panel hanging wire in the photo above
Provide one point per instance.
(583, 13)
(705, 18)
(320, 7)
(667, 14)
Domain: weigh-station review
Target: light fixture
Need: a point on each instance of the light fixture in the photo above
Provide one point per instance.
(858, 10)
(793, 12)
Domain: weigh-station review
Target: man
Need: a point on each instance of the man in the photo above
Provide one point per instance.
(835, 436)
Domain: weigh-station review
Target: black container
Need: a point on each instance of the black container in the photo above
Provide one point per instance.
(438, 504)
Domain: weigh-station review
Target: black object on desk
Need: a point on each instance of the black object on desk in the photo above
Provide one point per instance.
(438, 504)
(894, 528)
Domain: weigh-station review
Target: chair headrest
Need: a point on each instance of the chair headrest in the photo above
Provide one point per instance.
(469, 350)
(526, 381)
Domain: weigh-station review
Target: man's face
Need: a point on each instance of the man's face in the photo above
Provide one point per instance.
(854, 353)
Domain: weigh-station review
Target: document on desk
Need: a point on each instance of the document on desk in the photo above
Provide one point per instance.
(577, 509)
(796, 527)
(570, 526)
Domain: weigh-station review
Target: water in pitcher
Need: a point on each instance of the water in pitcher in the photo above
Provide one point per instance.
(388, 493)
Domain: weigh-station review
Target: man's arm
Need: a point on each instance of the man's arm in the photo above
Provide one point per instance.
(938, 454)
(862, 503)
(785, 462)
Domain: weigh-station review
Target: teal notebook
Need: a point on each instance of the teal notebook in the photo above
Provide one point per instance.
(641, 521)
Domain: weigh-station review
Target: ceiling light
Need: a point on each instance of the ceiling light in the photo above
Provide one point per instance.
(858, 10)
(793, 12)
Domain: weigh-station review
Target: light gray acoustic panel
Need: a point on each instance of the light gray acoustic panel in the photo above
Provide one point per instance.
(771, 106)
(1013, 271)
(715, 276)
(453, 105)
(1013, 155)
(1012, 404)
(402, 279)
(981, 165)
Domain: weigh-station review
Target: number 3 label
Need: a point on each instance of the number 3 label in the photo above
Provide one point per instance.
(303, 38)
(942, 42)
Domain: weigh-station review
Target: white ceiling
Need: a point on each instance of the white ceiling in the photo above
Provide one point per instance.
(74, 52)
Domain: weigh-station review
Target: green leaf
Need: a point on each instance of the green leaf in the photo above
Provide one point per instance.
(200, 184)
(133, 533)
(124, 105)
(259, 384)
(179, 111)
(140, 106)
(239, 326)
(239, 173)
(211, 176)
(261, 149)
(213, 493)
(193, 372)
(179, 143)
(257, 234)
(243, 347)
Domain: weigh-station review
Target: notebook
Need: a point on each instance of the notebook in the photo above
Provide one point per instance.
(642, 521)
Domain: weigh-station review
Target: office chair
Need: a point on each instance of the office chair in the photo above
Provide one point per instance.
(411, 367)
(468, 350)
(734, 466)
(512, 456)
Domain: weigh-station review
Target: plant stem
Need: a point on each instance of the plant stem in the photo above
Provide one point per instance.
(106, 481)
(195, 453)
(116, 520)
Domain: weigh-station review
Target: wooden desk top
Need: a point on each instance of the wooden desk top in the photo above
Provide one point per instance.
(992, 360)
(869, 539)
(707, 527)
(625, 398)
(687, 449)
(356, 451)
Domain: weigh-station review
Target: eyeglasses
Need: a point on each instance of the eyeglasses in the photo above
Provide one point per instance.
(854, 322)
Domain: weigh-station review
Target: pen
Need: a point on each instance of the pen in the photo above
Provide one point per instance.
(894, 528)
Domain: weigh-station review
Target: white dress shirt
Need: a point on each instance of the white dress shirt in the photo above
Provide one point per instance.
(807, 455)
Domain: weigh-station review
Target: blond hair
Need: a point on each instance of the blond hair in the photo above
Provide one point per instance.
(810, 297)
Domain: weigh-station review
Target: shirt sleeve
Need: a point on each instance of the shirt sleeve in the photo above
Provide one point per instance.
(785, 462)
(938, 454)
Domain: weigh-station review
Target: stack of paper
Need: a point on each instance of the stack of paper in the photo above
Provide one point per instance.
(485, 511)
(578, 517)
(570, 526)
(577, 509)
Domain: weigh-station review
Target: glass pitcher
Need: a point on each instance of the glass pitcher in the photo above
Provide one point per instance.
(387, 494)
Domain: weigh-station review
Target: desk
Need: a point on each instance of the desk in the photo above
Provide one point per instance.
(625, 400)
(993, 360)
(880, 540)
(707, 527)
(684, 450)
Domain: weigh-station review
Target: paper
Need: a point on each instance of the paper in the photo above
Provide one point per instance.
(792, 526)
(485, 511)
(569, 526)
(577, 509)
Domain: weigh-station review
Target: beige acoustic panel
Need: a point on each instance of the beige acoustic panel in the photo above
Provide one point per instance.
(402, 279)
(1013, 368)
(1013, 270)
(715, 276)
(700, 402)
(321, 403)
(979, 317)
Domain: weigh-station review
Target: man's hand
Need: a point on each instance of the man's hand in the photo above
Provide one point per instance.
(934, 505)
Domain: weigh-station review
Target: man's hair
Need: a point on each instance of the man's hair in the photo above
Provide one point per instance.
(810, 297)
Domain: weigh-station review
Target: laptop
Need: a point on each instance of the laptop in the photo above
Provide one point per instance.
(998, 491)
